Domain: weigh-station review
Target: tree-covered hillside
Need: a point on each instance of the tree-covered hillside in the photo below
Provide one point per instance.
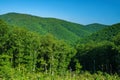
(27, 55)
(100, 51)
(95, 27)
(61, 29)
(40, 25)
(107, 33)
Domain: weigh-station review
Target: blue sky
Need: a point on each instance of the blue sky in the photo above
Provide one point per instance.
(78, 11)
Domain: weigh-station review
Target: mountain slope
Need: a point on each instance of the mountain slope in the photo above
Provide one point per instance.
(95, 27)
(46, 25)
(105, 34)
(61, 29)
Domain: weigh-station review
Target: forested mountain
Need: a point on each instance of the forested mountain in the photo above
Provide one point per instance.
(61, 29)
(95, 27)
(100, 50)
(105, 34)
(28, 51)
(44, 25)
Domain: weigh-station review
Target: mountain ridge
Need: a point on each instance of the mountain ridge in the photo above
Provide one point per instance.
(61, 29)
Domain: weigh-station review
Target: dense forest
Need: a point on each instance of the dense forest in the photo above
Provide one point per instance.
(35, 48)
(68, 31)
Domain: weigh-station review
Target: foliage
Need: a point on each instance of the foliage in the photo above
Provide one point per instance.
(68, 31)
(95, 27)
(107, 33)
(25, 54)
(22, 48)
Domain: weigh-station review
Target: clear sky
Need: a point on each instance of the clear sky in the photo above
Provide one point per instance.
(78, 11)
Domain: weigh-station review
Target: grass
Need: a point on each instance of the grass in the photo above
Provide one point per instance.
(23, 75)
